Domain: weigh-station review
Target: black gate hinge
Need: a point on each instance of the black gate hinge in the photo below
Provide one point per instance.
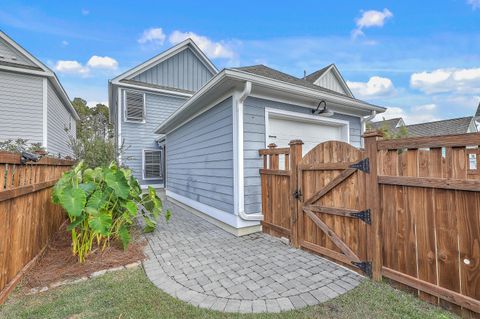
(363, 165)
(365, 266)
(363, 215)
(297, 194)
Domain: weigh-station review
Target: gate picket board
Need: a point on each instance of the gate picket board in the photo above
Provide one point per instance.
(332, 192)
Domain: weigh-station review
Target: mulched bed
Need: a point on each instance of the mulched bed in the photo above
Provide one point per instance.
(58, 263)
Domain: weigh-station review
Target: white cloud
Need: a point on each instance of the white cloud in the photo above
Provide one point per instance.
(104, 62)
(152, 35)
(85, 12)
(65, 43)
(375, 87)
(369, 19)
(425, 108)
(73, 67)
(447, 80)
(211, 48)
(475, 4)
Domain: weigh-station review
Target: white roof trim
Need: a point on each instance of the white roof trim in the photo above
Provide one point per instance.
(46, 72)
(166, 55)
(333, 68)
(270, 83)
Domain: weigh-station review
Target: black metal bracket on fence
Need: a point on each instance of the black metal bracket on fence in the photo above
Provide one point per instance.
(297, 194)
(27, 157)
(363, 165)
(365, 266)
(364, 215)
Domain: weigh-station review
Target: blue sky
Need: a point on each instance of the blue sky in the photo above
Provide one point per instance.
(420, 59)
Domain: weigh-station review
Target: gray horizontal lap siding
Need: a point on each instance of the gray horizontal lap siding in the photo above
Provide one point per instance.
(60, 125)
(139, 136)
(183, 71)
(200, 158)
(254, 139)
(21, 107)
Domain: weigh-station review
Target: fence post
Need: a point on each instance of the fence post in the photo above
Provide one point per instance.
(374, 240)
(273, 158)
(295, 158)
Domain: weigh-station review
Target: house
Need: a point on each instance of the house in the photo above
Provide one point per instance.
(33, 104)
(148, 94)
(454, 126)
(183, 125)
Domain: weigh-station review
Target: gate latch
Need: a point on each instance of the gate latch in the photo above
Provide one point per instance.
(365, 266)
(297, 194)
(363, 215)
(363, 165)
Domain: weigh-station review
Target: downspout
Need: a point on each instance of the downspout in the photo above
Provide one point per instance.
(365, 120)
(240, 173)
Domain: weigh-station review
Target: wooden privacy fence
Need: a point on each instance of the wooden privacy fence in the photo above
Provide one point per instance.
(405, 209)
(27, 216)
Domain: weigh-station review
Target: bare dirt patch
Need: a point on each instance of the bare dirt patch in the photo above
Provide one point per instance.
(58, 263)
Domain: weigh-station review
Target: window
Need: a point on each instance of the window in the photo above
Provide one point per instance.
(152, 164)
(134, 106)
(472, 162)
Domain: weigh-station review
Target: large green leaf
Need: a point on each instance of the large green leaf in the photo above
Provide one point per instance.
(124, 236)
(117, 182)
(88, 188)
(131, 207)
(96, 200)
(73, 200)
(101, 223)
(76, 222)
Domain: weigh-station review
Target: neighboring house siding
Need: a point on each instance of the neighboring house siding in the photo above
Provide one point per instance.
(183, 71)
(139, 136)
(10, 55)
(21, 107)
(200, 158)
(330, 81)
(60, 125)
(254, 139)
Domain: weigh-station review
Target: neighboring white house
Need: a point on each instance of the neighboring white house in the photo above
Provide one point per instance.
(33, 104)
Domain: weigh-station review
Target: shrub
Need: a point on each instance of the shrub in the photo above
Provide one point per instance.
(102, 204)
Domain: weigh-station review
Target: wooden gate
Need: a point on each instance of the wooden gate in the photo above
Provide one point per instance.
(332, 218)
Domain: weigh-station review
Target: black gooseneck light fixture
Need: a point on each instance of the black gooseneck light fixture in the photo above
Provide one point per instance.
(322, 111)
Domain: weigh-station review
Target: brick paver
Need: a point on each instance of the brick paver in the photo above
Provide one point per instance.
(199, 263)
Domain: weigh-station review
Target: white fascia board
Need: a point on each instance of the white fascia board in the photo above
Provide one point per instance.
(166, 55)
(24, 70)
(269, 83)
(304, 91)
(149, 89)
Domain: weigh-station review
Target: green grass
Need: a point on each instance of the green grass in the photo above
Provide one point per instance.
(129, 294)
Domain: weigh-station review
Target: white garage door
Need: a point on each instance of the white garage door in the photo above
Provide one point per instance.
(281, 130)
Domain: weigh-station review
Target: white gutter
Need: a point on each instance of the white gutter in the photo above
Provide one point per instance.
(364, 120)
(239, 167)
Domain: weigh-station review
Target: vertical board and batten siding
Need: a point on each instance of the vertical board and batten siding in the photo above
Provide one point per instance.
(182, 71)
(330, 81)
(11, 55)
(200, 158)
(140, 136)
(21, 107)
(60, 125)
(254, 139)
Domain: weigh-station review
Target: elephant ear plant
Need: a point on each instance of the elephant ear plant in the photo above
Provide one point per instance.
(103, 204)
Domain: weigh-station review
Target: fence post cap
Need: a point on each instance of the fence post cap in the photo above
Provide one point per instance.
(272, 145)
(296, 142)
(372, 133)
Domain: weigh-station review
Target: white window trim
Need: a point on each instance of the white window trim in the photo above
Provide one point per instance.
(124, 102)
(305, 118)
(143, 163)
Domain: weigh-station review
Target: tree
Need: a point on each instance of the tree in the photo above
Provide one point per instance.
(389, 134)
(94, 143)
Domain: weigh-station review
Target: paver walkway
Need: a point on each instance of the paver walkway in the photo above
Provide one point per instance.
(197, 262)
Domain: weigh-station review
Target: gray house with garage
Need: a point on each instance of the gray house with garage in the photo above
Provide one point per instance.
(33, 104)
(207, 143)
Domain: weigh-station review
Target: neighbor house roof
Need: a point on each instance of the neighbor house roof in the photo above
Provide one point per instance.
(265, 71)
(388, 124)
(38, 68)
(445, 127)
